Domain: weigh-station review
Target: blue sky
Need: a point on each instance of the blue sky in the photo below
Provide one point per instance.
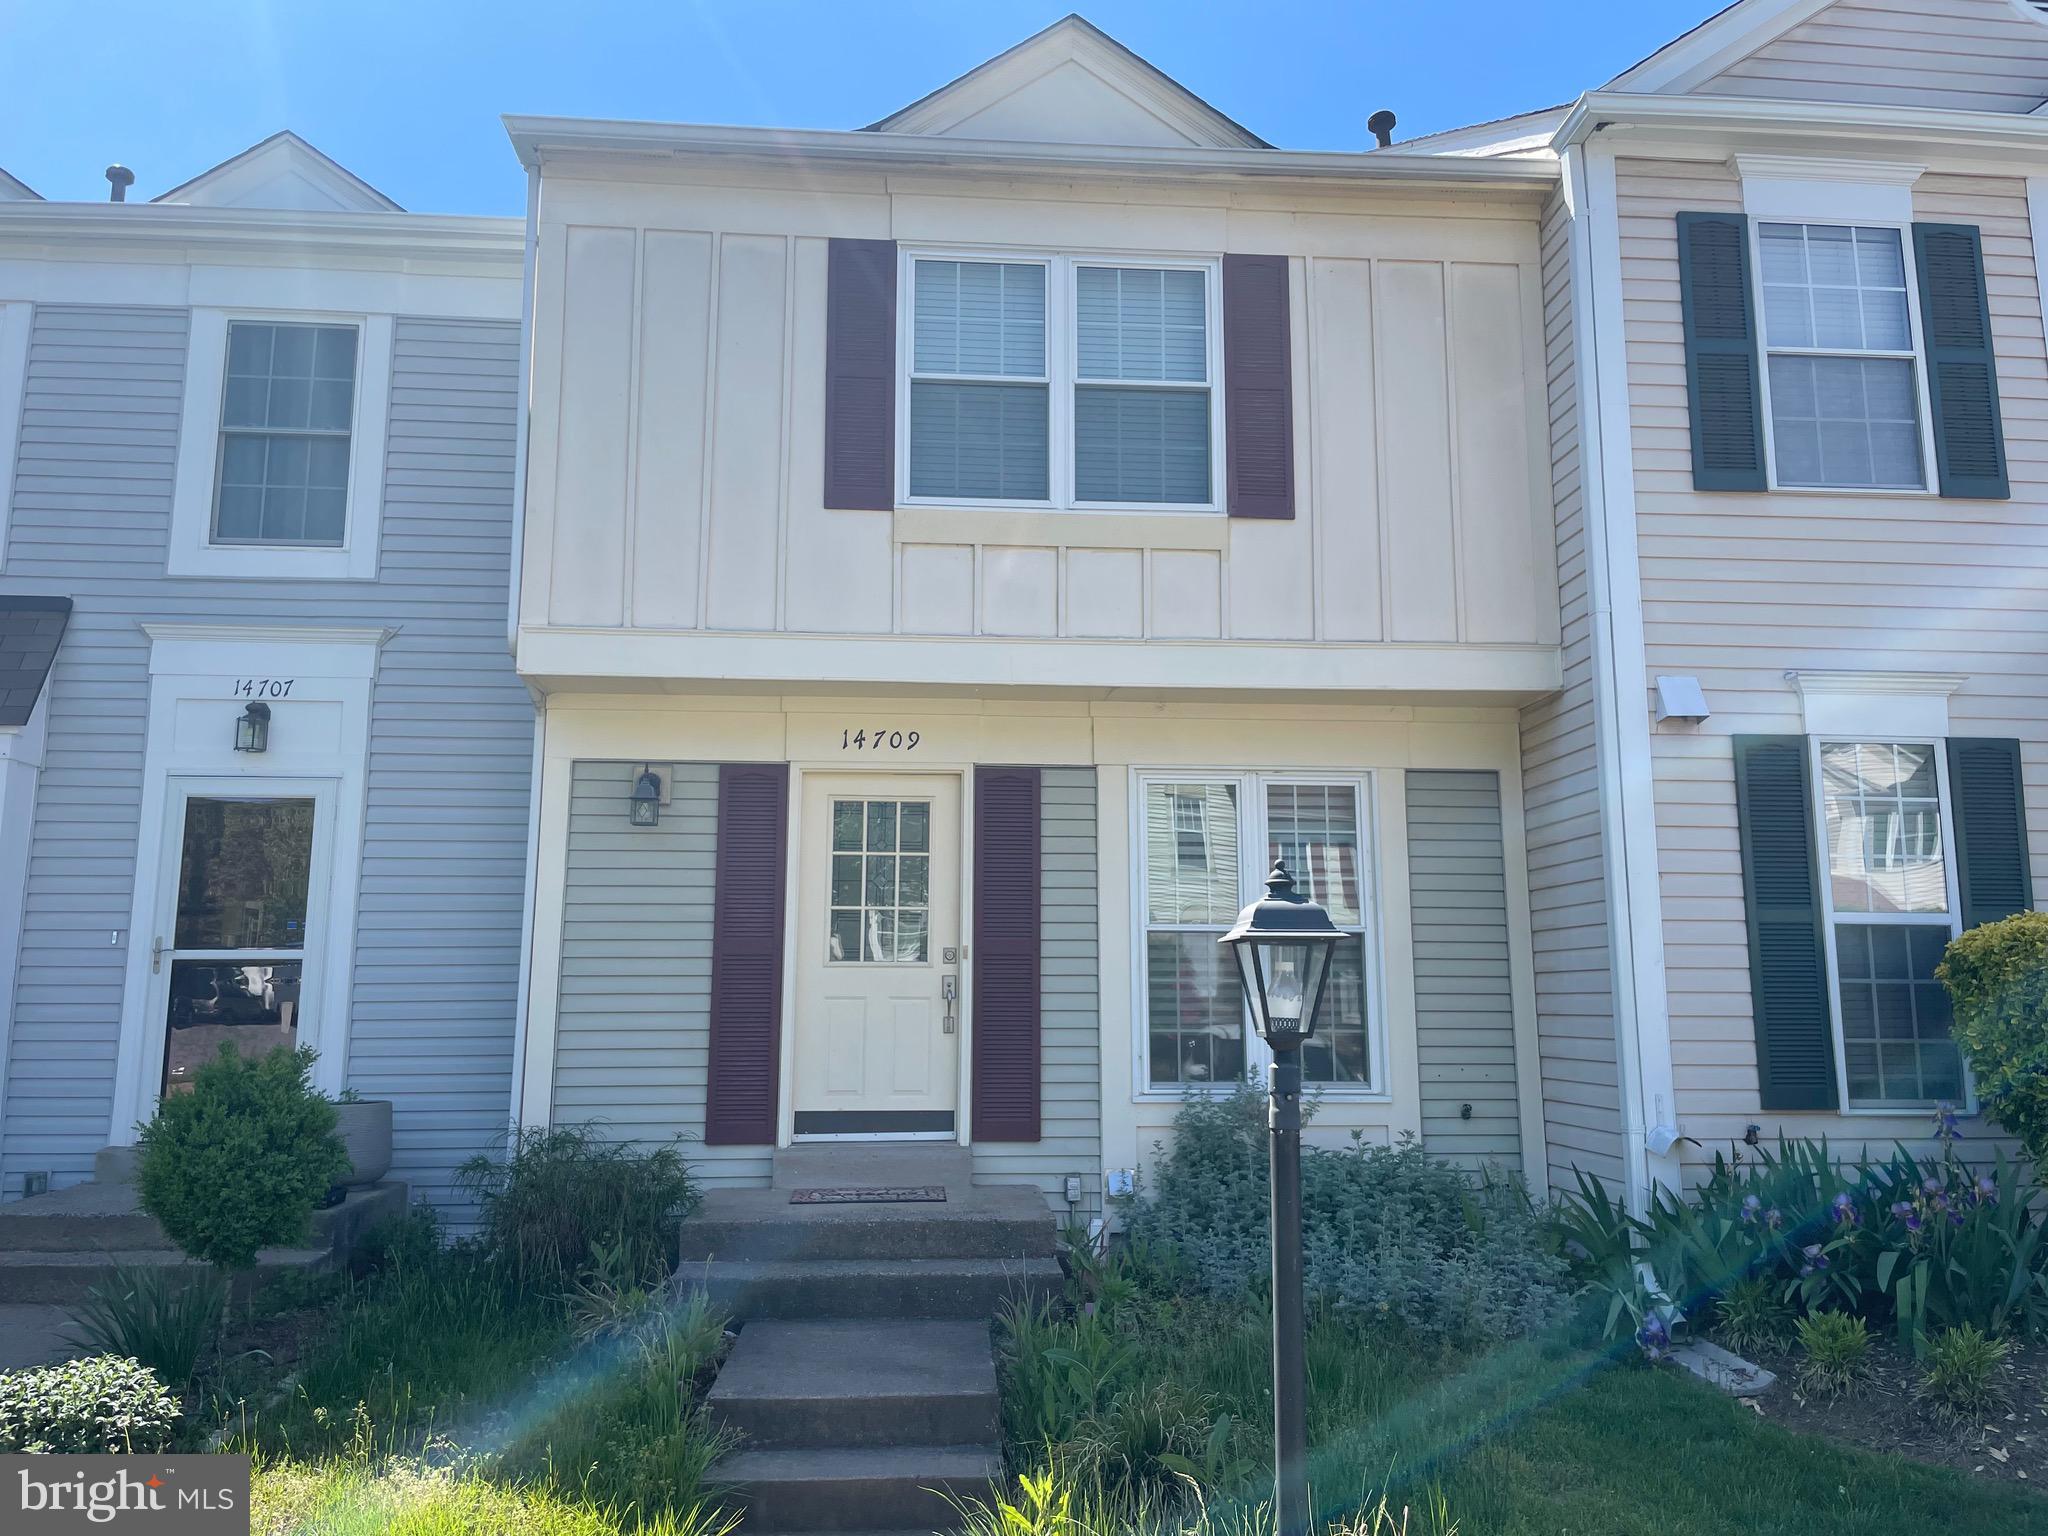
(408, 95)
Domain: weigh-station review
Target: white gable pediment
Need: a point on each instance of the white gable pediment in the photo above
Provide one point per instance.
(283, 172)
(13, 190)
(1071, 84)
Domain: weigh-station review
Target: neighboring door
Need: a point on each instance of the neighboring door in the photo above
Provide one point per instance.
(236, 956)
(877, 1036)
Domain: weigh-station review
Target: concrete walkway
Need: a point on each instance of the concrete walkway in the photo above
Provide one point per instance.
(34, 1334)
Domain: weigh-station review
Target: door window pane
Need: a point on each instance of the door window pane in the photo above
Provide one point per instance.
(244, 874)
(252, 1005)
(880, 912)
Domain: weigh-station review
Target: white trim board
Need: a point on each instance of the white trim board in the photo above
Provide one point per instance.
(17, 324)
(1876, 706)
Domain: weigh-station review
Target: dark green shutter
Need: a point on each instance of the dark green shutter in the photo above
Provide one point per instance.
(1720, 352)
(1962, 375)
(1991, 828)
(1788, 974)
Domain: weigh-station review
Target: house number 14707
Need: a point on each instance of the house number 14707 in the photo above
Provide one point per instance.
(851, 740)
(263, 687)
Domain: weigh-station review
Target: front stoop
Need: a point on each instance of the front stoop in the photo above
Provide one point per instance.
(863, 1383)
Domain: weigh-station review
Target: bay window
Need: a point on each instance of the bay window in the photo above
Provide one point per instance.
(1208, 842)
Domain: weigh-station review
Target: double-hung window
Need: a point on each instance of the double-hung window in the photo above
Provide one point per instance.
(1842, 375)
(1195, 1027)
(286, 424)
(1062, 382)
(1890, 901)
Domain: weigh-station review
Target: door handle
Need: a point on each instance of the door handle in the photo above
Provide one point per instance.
(949, 990)
(156, 954)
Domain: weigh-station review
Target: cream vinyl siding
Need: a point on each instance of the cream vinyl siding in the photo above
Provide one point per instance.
(1970, 55)
(1740, 588)
(1561, 796)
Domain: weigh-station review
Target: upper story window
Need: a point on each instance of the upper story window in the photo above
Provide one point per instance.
(286, 424)
(1062, 382)
(281, 445)
(1842, 376)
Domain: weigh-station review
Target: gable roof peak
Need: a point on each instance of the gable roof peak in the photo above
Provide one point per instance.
(1070, 82)
(281, 172)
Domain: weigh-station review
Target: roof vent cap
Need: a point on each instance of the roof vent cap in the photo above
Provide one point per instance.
(1382, 125)
(119, 180)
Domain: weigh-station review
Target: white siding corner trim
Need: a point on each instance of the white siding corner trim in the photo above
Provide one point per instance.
(16, 324)
(192, 551)
(319, 745)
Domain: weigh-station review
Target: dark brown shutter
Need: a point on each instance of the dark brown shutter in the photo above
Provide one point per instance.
(1991, 828)
(1720, 352)
(1788, 976)
(1258, 387)
(1962, 372)
(1005, 954)
(860, 375)
(746, 954)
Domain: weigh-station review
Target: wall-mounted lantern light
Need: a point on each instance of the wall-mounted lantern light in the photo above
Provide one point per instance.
(252, 729)
(647, 799)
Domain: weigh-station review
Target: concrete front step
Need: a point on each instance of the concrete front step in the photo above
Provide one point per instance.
(64, 1278)
(104, 1218)
(845, 1488)
(870, 1288)
(859, 1383)
(1001, 1222)
(852, 1164)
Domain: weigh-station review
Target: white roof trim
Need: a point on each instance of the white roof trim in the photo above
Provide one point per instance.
(1070, 39)
(539, 139)
(14, 189)
(1918, 134)
(283, 153)
(1716, 43)
(493, 243)
(1524, 133)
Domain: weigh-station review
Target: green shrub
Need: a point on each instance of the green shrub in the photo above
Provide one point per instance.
(1752, 1317)
(162, 1317)
(1997, 980)
(1837, 1349)
(103, 1406)
(561, 1192)
(1388, 1232)
(1961, 1371)
(241, 1161)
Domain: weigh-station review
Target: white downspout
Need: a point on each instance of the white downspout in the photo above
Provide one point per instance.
(1620, 673)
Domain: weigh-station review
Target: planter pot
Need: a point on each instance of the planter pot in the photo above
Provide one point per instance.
(364, 1127)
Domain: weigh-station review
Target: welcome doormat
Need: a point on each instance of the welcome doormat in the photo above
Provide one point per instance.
(872, 1194)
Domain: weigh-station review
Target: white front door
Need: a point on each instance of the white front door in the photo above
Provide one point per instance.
(877, 1036)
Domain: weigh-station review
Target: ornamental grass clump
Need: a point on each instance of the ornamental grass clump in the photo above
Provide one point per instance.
(1752, 1317)
(242, 1161)
(1837, 1348)
(1961, 1372)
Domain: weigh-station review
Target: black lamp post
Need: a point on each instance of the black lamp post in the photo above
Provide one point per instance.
(1283, 944)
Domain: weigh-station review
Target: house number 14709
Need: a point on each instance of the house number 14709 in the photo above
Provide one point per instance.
(851, 740)
(263, 687)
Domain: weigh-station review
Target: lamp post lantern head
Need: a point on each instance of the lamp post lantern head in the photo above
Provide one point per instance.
(1283, 943)
(646, 802)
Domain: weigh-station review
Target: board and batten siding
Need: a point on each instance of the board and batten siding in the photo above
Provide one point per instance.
(1070, 1016)
(1966, 55)
(1464, 997)
(1740, 588)
(633, 1017)
(451, 730)
(1561, 802)
(1416, 464)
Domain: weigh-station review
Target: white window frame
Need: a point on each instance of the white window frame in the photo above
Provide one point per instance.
(1819, 812)
(1061, 372)
(1916, 355)
(1251, 785)
(192, 549)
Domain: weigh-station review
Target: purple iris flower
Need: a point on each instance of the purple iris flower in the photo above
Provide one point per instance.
(1933, 1184)
(1905, 1212)
(1774, 1218)
(1945, 1123)
(1751, 1208)
(1815, 1259)
(1987, 1189)
(1653, 1337)
(1845, 1209)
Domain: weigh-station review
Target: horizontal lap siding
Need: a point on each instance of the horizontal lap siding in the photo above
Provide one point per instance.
(633, 1021)
(1070, 1050)
(1561, 803)
(1970, 55)
(1738, 589)
(90, 520)
(436, 979)
(1464, 1001)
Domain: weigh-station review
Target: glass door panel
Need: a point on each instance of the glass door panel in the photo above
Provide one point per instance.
(244, 879)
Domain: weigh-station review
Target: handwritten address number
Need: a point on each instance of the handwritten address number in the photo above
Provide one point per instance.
(263, 687)
(851, 740)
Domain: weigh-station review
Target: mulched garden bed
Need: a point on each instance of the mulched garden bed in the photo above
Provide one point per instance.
(1883, 1414)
